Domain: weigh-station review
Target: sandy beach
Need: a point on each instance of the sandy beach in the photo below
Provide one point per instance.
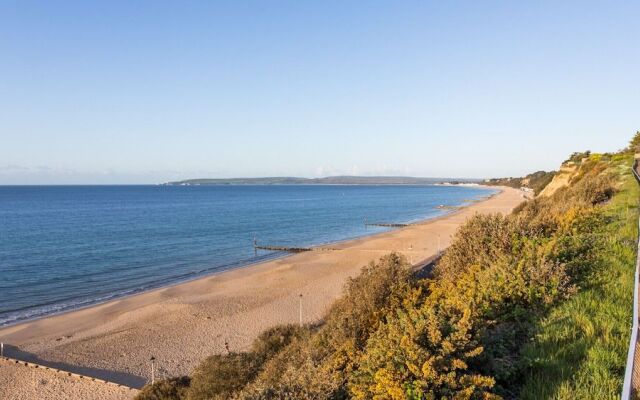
(182, 324)
(20, 382)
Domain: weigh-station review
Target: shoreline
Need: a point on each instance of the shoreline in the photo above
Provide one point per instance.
(242, 265)
(183, 323)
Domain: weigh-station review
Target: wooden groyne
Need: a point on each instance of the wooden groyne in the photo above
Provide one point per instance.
(282, 248)
(443, 207)
(288, 249)
(387, 225)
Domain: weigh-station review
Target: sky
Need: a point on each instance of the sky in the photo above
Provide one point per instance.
(151, 91)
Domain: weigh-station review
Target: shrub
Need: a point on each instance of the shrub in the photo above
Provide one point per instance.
(578, 156)
(220, 376)
(421, 352)
(634, 144)
(320, 363)
(480, 241)
(379, 288)
(596, 190)
(536, 181)
(295, 373)
(466, 334)
(540, 180)
(273, 340)
(166, 389)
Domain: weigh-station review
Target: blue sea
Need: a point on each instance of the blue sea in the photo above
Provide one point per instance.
(66, 247)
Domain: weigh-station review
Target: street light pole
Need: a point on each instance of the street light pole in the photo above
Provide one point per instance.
(153, 370)
(300, 309)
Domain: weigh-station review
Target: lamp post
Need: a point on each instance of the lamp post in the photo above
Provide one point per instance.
(300, 309)
(153, 369)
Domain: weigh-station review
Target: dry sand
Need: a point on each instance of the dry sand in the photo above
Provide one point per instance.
(182, 324)
(20, 382)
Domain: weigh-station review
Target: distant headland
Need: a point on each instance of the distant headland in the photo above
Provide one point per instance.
(329, 180)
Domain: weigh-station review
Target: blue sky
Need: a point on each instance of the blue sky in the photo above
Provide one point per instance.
(146, 92)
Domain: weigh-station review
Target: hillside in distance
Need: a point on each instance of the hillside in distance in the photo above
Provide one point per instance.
(329, 180)
(536, 181)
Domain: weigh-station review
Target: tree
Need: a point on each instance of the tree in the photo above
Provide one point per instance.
(634, 144)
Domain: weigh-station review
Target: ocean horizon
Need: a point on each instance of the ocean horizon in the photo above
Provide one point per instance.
(66, 247)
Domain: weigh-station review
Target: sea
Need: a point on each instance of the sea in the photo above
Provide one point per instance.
(67, 247)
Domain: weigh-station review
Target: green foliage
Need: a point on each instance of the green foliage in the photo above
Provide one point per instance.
(634, 144)
(536, 181)
(539, 180)
(166, 389)
(480, 241)
(273, 340)
(378, 289)
(578, 156)
(463, 338)
(295, 373)
(580, 347)
(318, 366)
(220, 376)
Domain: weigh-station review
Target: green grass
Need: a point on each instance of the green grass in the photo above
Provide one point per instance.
(579, 351)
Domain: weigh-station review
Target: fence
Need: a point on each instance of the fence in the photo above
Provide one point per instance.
(627, 388)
